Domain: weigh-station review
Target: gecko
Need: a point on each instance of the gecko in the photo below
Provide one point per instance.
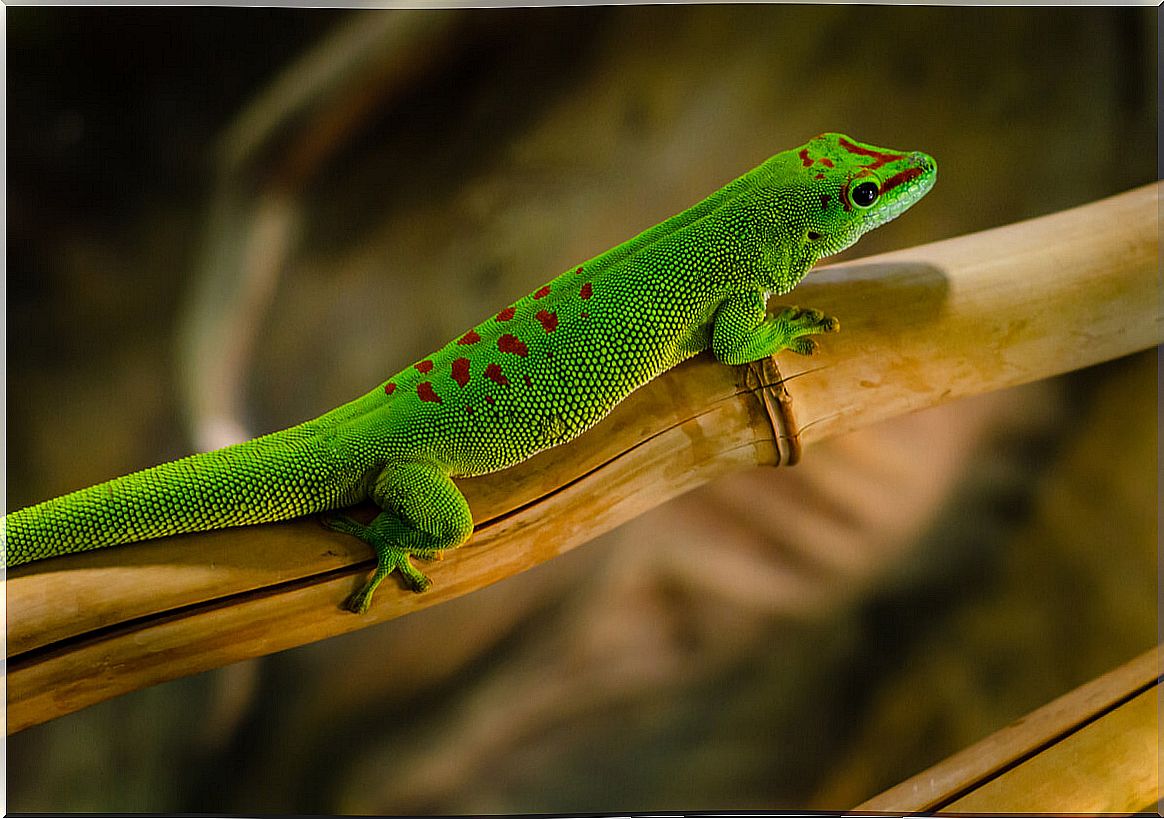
(533, 375)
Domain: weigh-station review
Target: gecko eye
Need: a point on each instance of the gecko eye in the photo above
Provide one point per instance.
(813, 235)
(864, 194)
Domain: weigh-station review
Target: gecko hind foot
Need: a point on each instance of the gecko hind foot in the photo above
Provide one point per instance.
(389, 558)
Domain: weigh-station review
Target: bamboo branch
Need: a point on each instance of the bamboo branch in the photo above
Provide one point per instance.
(920, 327)
(1093, 750)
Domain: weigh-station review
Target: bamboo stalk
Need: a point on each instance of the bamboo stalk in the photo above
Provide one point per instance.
(1093, 750)
(921, 327)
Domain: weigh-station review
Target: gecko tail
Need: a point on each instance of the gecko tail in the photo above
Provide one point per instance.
(275, 477)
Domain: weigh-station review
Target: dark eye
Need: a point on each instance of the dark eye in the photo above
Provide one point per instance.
(813, 235)
(864, 194)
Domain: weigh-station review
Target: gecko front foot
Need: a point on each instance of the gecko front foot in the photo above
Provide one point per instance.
(743, 331)
(796, 325)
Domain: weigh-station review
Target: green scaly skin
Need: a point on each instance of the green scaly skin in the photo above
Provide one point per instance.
(532, 376)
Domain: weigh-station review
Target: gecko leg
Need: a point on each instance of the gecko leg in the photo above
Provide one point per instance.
(742, 331)
(424, 513)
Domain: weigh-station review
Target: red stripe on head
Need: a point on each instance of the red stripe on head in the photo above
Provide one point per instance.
(877, 155)
(901, 178)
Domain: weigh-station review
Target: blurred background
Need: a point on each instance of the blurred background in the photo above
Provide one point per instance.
(225, 221)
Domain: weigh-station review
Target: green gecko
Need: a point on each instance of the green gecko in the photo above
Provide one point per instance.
(534, 375)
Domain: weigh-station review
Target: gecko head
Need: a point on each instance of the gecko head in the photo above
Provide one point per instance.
(847, 188)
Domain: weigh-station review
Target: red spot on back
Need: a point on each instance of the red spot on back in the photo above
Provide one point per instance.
(470, 337)
(512, 344)
(425, 392)
(488, 399)
(578, 272)
(389, 388)
(880, 158)
(824, 201)
(804, 157)
(494, 374)
(461, 371)
(828, 163)
(528, 382)
(587, 291)
(549, 320)
(468, 409)
(900, 178)
(541, 294)
(584, 315)
(819, 176)
(506, 314)
(424, 366)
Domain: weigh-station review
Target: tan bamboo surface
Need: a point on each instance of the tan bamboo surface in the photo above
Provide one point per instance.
(1093, 750)
(919, 327)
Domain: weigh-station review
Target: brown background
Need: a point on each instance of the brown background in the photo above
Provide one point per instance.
(785, 638)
